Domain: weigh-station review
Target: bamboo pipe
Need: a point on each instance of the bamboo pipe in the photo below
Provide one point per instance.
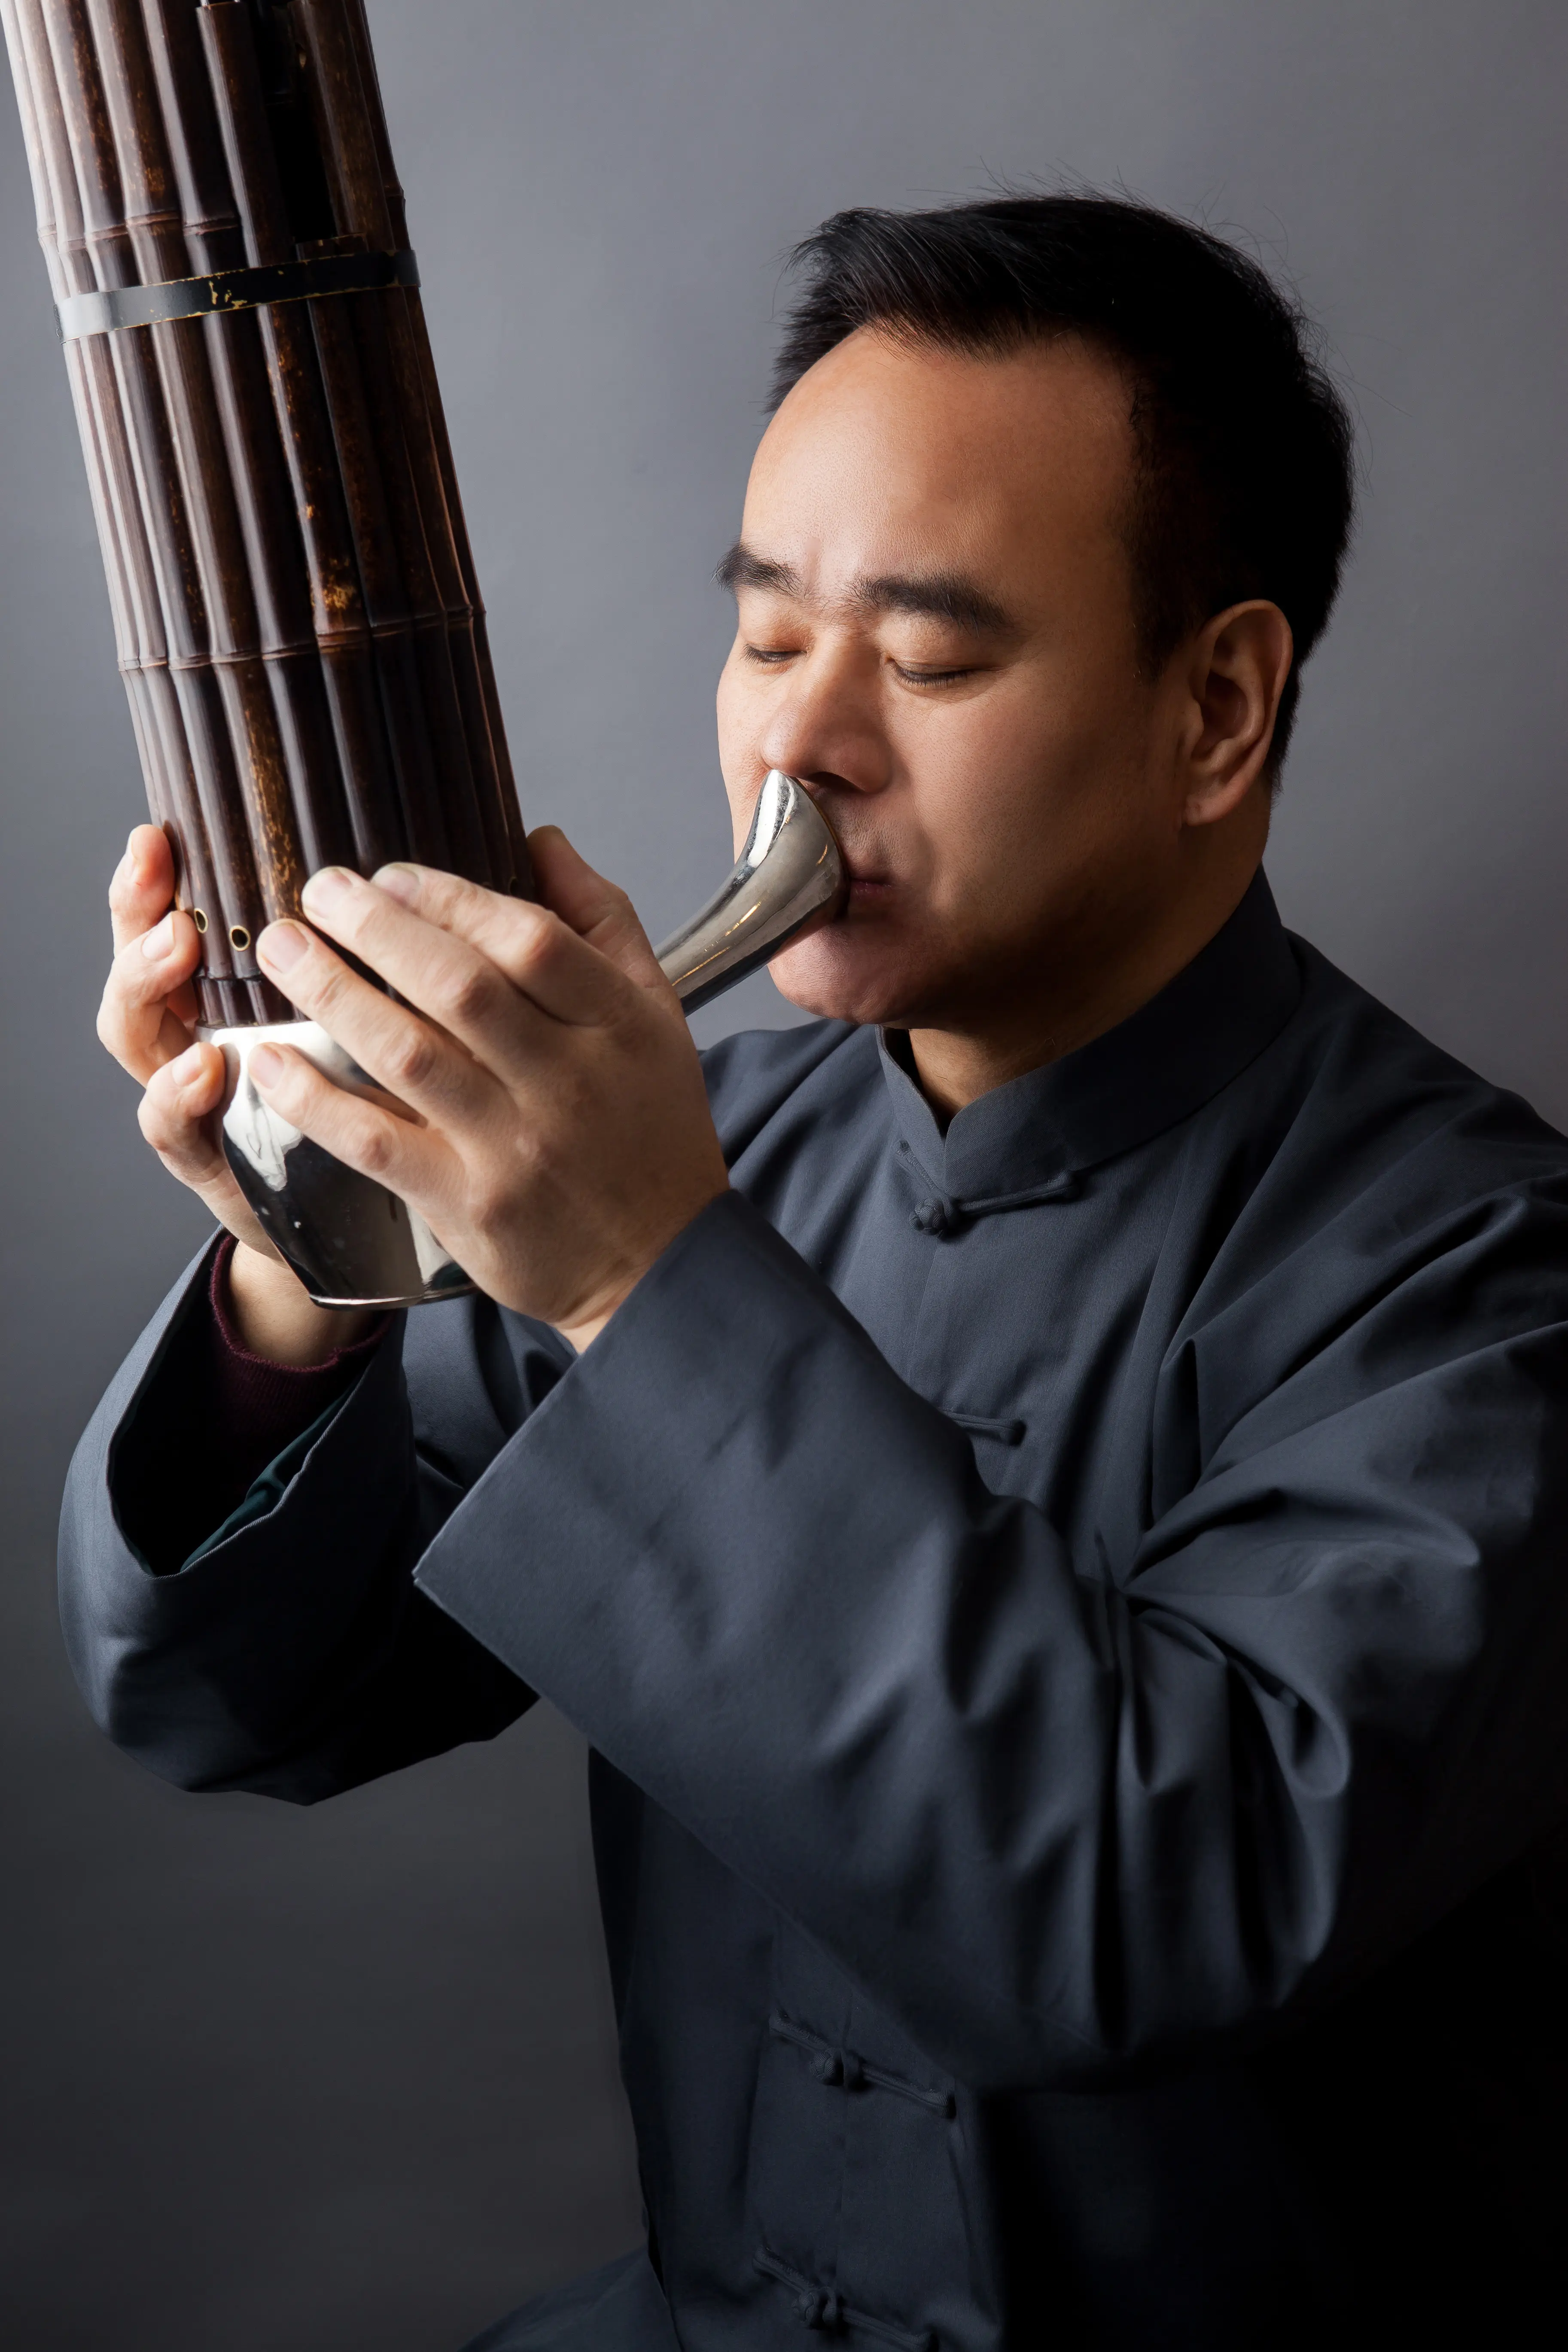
(134, 597)
(165, 402)
(245, 566)
(288, 574)
(379, 552)
(353, 335)
(309, 447)
(131, 431)
(368, 202)
(209, 213)
(216, 384)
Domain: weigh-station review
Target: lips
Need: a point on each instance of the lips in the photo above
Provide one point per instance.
(870, 887)
(869, 878)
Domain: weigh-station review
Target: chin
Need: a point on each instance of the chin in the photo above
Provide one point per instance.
(841, 973)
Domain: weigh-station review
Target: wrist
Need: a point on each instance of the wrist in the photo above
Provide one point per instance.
(587, 1322)
(272, 1317)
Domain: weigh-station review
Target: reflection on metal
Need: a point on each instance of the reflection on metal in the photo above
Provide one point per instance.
(789, 880)
(352, 1243)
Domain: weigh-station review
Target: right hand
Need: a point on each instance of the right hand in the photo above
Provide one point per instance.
(147, 1020)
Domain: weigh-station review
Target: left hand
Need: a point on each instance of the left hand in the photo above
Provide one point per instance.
(560, 1136)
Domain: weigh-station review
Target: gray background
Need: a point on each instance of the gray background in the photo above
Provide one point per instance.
(278, 2081)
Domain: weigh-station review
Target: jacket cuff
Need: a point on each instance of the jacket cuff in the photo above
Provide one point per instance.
(253, 1409)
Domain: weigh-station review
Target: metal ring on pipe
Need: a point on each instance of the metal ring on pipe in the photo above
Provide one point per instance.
(234, 289)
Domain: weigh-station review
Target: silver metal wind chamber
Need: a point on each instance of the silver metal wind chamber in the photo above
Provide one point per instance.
(353, 1243)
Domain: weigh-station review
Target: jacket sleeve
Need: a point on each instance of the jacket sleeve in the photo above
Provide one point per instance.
(291, 1655)
(1061, 1824)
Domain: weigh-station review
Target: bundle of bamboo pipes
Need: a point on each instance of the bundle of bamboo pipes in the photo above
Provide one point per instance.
(293, 593)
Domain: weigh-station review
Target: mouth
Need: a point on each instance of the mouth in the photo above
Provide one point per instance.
(868, 877)
(869, 881)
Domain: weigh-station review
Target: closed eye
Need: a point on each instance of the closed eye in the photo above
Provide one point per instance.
(931, 677)
(770, 656)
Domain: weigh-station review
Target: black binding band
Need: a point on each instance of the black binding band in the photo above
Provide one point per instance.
(234, 289)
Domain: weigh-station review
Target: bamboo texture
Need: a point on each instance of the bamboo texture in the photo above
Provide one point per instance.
(295, 608)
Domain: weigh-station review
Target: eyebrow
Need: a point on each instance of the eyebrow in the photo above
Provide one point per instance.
(742, 567)
(937, 595)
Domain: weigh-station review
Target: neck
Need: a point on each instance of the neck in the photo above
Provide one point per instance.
(1028, 1027)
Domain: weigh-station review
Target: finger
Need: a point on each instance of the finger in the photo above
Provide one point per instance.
(556, 970)
(143, 885)
(403, 1053)
(597, 910)
(489, 993)
(178, 1118)
(140, 1018)
(408, 1160)
(177, 1115)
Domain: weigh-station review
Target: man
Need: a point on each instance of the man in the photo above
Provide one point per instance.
(1044, 1489)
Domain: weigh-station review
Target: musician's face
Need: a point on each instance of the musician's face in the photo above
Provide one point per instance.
(937, 635)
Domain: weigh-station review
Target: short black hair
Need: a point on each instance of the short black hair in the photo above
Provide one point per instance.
(1246, 473)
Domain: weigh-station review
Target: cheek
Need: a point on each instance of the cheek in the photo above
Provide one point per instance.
(1014, 793)
(981, 775)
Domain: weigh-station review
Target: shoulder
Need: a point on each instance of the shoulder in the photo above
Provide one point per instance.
(759, 1074)
(1367, 1218)
(1385, 1095)
(1372, 1199)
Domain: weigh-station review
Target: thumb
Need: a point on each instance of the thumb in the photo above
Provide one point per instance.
(597, 910)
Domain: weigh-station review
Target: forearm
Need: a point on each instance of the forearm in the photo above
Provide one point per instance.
(1062, 1817)
(289, 1653)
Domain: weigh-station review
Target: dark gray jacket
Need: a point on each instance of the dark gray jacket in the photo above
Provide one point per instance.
(1071, 1620)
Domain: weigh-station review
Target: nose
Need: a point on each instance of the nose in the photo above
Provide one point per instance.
(825, 727)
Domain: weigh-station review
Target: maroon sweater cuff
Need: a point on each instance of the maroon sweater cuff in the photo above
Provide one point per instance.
(254, 1408)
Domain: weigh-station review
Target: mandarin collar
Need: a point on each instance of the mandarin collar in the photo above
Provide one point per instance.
(1163, 1062)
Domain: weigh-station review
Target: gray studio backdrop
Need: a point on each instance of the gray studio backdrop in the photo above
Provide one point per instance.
(283, 2082)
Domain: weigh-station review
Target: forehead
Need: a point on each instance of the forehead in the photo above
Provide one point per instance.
(890, 453)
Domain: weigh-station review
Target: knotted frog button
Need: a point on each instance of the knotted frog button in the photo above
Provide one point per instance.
(934, 1217)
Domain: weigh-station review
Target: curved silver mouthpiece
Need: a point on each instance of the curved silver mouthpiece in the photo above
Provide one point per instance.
(352, 1243)
(788, 880)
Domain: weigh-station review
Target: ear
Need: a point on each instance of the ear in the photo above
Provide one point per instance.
(1236, 675)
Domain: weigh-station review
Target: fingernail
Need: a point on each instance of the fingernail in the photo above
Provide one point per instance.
(398, 882)
(267, 1065)
(327, 888)
(188, 1066)
(281, 945)
(159, 940)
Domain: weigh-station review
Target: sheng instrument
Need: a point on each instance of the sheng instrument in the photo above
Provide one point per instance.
(296, 613)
